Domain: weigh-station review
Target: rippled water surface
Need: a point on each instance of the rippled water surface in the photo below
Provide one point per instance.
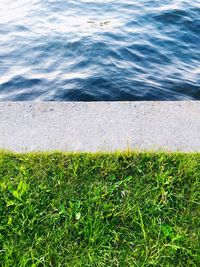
(89, 50)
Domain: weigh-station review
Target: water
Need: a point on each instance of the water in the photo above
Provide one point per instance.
(94, 50)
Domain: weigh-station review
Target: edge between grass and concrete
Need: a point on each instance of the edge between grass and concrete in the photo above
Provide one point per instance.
(100, 208)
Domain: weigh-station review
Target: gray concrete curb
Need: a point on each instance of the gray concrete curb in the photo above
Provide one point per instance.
(100, 126)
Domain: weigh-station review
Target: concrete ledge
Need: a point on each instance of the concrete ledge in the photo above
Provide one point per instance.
(99, 126)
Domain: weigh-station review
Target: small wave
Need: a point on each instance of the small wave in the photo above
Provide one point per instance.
(172, 16)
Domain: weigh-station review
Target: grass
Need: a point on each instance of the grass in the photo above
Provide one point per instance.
(120, 209)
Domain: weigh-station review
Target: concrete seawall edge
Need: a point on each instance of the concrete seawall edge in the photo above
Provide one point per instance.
(100, 126)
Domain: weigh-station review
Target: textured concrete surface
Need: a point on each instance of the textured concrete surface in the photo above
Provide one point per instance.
(100, 126)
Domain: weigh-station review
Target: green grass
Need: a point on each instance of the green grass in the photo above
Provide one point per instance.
(125, 209)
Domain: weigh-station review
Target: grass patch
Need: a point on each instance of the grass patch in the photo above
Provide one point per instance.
(126, 209)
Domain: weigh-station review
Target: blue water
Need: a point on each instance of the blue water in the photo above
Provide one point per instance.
(86, 50)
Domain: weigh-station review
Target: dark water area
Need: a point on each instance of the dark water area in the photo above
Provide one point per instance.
(95, 50)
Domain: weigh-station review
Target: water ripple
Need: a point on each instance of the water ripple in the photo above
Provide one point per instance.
(88, 50)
